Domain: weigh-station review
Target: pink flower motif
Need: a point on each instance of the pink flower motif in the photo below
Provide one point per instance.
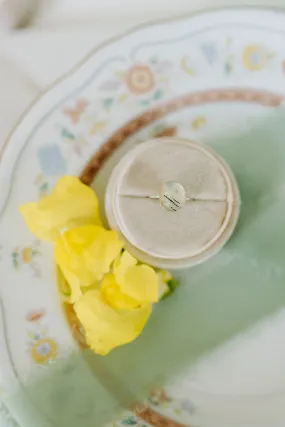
(140, 79)
(35, 316)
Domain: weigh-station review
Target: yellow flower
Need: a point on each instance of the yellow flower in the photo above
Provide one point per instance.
(105, 327)
(63, 287)
(113, 295)
(85, 254)
(122, 264)
(27, 255)
(117, 313)
(164, 276)
(255, 57)
(70, 205)
(141, 283)
(131, 285)
(44, 350)
(110, 292)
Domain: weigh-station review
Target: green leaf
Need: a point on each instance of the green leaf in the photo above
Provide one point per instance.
(16, 263)
(158, 94)
(129, 421)
(44, 186)
(65, 133)
(172, 284)
(144, 102)
(107, 103)
(153, 60)
(228, 67)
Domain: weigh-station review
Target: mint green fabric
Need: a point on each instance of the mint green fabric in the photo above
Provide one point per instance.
(240, 286)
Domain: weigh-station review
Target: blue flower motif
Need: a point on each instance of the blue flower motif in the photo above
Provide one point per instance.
(51, 160)
(44, 349)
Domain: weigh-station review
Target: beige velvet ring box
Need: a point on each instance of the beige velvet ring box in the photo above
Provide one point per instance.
(174, 202)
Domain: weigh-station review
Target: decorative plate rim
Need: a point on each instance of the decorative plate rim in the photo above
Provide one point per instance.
(119, 37)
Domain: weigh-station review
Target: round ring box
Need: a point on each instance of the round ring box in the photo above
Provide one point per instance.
(174, 202)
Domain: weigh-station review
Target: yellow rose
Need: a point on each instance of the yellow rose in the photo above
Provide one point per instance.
(71, 204)
(105, 327)
(117, 313)
(85, 254)
(113, 296)
(112, 293)
(131, 285)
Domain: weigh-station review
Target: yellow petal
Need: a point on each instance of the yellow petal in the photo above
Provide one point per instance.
(106, 328)
(63, 287)
(122, 264)
(112, 294)
(85, 254)
(70, 204)
(141, 283)
(69, 286)
(164, 276)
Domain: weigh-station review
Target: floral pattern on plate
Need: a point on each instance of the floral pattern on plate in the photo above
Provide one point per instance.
(27, 255)
(41, 347)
